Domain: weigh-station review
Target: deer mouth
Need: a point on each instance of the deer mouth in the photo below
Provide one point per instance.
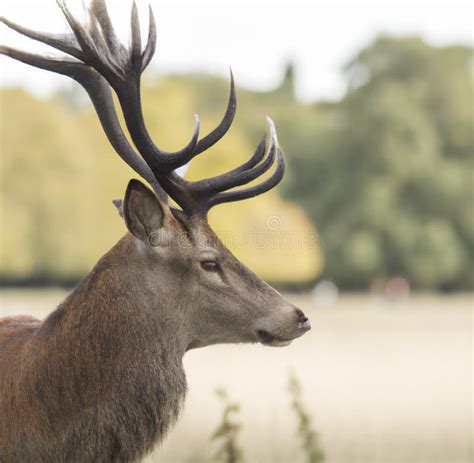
(269, 339)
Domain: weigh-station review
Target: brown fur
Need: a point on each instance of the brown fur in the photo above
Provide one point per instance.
(99, 380)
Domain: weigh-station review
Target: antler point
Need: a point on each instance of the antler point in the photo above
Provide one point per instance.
(270, 123)
(271, 131)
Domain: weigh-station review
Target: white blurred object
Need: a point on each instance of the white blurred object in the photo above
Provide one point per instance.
(324, 294)
(182, 170)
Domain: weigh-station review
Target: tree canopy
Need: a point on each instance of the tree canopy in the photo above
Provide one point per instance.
(387, 174)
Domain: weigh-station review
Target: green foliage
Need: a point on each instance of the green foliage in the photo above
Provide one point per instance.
(387, 176)
(228, 431)
(309, 437)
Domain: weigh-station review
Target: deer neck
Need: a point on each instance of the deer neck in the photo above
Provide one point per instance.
(115, 300)
(109, 346)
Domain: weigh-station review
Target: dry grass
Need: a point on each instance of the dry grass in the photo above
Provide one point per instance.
(383, 383)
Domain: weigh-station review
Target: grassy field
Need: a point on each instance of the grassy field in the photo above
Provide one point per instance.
(383, 382)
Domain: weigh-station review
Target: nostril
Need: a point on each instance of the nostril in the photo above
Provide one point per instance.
(303, 321)
(301, 316)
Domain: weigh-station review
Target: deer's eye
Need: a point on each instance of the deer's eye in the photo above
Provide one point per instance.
(210, 265)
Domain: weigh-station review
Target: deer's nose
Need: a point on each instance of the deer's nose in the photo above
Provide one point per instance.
(303, 321)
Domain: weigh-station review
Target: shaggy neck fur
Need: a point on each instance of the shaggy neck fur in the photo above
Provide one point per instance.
(101, 379)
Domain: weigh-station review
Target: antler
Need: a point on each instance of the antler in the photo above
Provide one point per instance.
(98, 61)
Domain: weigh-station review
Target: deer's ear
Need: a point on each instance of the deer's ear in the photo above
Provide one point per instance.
(142, 210)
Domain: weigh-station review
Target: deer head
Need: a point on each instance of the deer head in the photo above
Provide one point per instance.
(180, 260)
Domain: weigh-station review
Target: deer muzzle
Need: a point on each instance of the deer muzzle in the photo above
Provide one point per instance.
(282, 336)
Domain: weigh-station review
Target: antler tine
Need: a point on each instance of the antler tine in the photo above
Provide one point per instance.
(213, 137)
(254, 160)
(97, 36)
(151, 42)
(136, 48)
(246, 172)
(82, 36)
(218, 133)
(256, 190)
(99, 11)
(60, 66)
(64, 43)
(196, 198)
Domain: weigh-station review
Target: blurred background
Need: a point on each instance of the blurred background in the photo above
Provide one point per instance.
(371, 231)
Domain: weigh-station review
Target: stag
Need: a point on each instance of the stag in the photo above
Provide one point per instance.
(101, 378)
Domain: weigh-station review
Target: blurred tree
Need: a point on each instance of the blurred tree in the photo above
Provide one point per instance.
(58, 176)
(386, 173)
